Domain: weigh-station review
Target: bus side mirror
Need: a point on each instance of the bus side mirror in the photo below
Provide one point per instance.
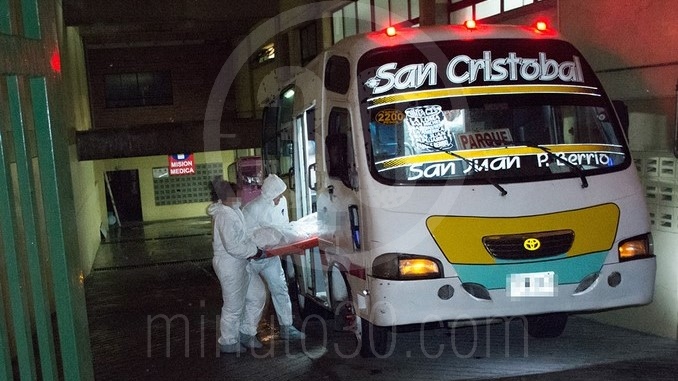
(337, 147)
(623, 114)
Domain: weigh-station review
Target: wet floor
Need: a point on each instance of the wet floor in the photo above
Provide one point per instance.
(153, 304)
(155, 243)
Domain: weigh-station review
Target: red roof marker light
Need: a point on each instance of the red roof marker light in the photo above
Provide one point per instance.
(391, 31)
(470, 24)
(541, 26)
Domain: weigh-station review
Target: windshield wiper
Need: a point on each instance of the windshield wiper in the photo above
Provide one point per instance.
(576, 168)
(473, 167)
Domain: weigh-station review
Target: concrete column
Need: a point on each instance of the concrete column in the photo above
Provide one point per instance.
(427, 12)
(432, 12)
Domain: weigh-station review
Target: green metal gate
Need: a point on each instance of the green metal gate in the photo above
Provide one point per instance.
(43, 319)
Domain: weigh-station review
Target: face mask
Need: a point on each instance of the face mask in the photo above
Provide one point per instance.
(233, 202)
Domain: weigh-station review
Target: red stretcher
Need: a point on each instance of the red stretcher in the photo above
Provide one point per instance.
(297, 247)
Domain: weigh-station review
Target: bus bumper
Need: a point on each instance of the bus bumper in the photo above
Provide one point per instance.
(391, 303)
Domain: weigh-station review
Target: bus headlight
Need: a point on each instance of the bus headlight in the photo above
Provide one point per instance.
(399, 266)
(635, 248)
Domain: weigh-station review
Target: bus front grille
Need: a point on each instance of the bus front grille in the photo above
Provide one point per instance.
(529, 245)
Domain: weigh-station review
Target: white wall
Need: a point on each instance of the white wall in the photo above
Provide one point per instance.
(632, 45)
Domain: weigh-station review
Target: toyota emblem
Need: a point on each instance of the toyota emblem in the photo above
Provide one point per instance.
(531, 244)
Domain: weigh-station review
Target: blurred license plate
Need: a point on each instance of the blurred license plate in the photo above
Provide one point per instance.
(531, 284)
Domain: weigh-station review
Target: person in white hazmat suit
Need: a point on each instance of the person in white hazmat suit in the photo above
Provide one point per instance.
(266, 217)
(244, 294)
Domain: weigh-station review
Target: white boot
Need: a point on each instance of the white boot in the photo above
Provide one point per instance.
(232, 348)
(250, 341)
(288, 332)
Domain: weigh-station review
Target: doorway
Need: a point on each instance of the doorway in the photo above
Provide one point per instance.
(123, 197)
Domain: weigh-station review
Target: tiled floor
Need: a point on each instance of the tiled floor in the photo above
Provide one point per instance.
(153, 305)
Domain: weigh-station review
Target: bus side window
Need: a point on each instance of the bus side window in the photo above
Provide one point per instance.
(336, 152)
(338, 74)
(339, 147)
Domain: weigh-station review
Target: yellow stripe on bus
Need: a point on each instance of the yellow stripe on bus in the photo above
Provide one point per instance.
(460, 238)
(480, 90)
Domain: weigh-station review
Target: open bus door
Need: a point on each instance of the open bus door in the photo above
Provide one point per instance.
(310, 279)
(304, 160)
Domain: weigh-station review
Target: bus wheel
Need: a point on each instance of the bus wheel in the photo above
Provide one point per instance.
(373, 339)
(546, 325)
(344, 316)
(340, 301)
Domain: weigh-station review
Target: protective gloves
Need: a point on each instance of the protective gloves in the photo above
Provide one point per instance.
(261, 254)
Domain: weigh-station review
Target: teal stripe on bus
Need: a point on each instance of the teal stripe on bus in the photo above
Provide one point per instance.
(568, 270)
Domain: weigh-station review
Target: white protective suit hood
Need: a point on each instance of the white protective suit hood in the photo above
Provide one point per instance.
(268, 222)
(273, 187)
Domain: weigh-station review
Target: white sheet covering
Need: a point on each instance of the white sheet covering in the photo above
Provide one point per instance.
(299, 230)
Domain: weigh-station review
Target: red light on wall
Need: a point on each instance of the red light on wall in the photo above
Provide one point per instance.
(55, 62)
(470, 24)
(391, 31)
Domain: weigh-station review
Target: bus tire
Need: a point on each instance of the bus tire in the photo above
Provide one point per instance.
(373, 340)
(340, 301)
(546, 325)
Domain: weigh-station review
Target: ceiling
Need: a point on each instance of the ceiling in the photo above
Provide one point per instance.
(103, 22)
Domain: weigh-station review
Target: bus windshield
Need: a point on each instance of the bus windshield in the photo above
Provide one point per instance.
(531, 115)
